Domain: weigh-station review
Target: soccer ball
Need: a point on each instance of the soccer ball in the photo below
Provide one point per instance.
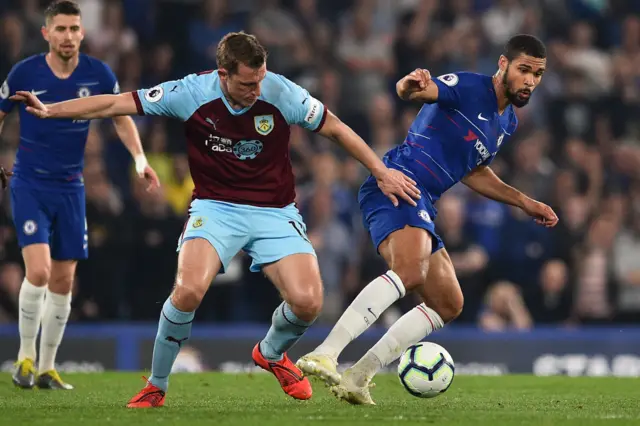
(426, 370)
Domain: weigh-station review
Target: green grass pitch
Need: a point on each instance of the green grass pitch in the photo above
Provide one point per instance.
(256, 399)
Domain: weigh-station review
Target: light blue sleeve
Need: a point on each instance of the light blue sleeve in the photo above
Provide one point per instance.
(169, 99)
(294, 102)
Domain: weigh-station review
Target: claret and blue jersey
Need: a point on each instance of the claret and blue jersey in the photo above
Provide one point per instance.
(239, 161)
(47, 190)
(462, 130)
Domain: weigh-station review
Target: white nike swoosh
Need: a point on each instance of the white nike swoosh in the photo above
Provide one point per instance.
(482, 118)
(40, 92)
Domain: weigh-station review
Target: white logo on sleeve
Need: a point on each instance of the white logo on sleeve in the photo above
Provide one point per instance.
(480, 117)
(4, 90)
(449, 79)
(116, 88)
(313, 109)
(154, 94)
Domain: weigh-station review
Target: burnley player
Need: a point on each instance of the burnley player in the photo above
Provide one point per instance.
(47, 190)
(457, 133)
(237, 124)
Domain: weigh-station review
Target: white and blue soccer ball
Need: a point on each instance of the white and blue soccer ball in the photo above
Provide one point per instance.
(426, 370)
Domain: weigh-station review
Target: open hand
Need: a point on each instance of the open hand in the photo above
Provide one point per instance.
(393, 183)
(151, 177)
(33, 104)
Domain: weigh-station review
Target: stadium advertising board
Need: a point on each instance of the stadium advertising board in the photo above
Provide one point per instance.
(584, 352)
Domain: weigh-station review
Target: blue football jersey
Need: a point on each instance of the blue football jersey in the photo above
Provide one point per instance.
(51, 151)
(452, 136)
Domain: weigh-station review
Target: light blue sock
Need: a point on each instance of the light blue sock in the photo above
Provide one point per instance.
(286, 329)
(173, 330)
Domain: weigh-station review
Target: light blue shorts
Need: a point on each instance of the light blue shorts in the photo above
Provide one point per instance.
(267, 234)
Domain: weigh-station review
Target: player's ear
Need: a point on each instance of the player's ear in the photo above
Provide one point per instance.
(503, 63)
(44, 32)
(223, 73)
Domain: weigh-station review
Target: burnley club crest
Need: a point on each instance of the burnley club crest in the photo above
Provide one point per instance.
(264, 124)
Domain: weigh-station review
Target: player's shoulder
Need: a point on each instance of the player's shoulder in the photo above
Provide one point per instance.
(281, 92)
(277, 88)
(88, 62)
(29, 63)
(203, 86)
(465, 79)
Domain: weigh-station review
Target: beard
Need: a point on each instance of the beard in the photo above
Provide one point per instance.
(515, 96)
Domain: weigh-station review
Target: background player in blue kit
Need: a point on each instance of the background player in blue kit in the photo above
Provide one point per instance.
(47, 188)
(237, 121)
(465, 120)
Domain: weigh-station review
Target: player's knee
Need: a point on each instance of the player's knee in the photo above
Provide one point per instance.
(306, 303)
(39, 274)
(413, 274)
(61, 284)
(450, 307)
(186, 297)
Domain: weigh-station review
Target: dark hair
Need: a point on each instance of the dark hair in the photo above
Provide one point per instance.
(61, 7)
(524, 44)
(236, 48)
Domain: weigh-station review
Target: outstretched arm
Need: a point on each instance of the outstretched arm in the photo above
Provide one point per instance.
(99, 106)
(485, 182)
(391, 182)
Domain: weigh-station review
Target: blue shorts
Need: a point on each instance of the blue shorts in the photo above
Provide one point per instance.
(381, 217)
(267, 234)
(57, 218)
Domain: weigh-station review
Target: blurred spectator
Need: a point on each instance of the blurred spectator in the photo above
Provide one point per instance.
(505, 309)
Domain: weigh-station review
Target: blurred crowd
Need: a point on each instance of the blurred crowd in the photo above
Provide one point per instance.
(577, 149)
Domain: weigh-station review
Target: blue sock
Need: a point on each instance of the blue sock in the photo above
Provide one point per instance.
(173, 330)
(285, 331)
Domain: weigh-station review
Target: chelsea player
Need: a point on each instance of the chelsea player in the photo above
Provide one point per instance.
(464, 121)
(47, 189)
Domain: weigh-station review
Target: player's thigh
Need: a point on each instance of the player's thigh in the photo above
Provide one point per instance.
(37, 263)
(198, 265)
(62, 276)
(69, 235)
(32, 220)
(297, 277)
(279, 246)
(404, 236)
(441, 291)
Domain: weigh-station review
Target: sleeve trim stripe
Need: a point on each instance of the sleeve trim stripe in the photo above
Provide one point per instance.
(322, 120)
(136, 99)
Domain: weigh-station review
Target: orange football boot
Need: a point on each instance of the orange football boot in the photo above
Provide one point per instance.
(289, 376)
(149, 397)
